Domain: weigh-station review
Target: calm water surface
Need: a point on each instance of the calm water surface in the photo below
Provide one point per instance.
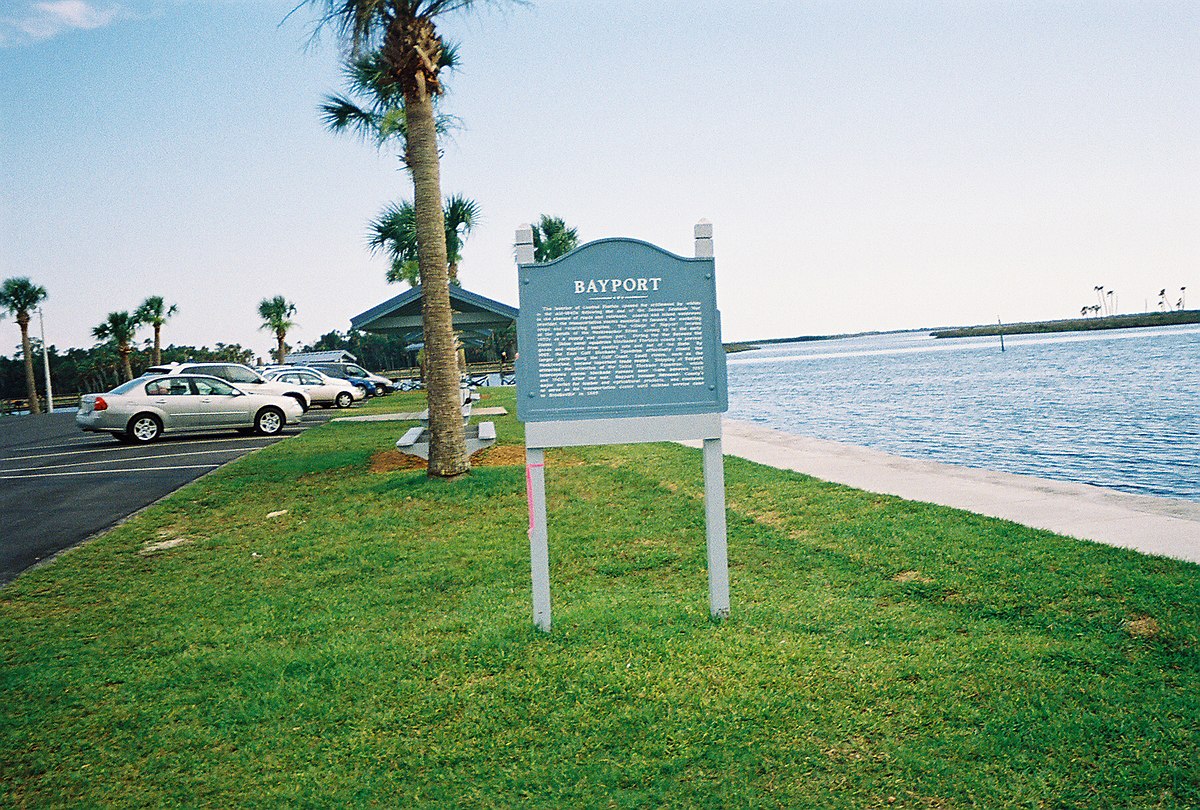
(1119, 408)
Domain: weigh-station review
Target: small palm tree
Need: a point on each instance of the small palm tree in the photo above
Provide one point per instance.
(276, 314)
(119, 328)
(20, 296)
(394, 232)
(552, 238)
(155, 312)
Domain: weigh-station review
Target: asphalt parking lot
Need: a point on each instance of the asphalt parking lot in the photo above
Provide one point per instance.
(59, 485)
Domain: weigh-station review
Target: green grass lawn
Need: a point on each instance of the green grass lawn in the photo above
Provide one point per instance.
(374, 646)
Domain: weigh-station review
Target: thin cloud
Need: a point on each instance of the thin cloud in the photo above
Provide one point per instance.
(48, 18)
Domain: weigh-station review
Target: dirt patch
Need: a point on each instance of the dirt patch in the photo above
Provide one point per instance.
(499, 455)
(503, 455)
(393, 461)
(1142, 627)
(163, 545)
(911, 576)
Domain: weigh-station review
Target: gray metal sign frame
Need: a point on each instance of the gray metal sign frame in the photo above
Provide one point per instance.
(690, 421)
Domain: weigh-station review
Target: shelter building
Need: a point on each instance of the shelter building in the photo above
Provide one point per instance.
(475, 317)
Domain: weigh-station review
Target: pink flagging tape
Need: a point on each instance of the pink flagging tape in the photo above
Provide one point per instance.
(529, 490)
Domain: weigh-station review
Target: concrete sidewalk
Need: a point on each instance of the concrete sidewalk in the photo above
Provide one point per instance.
(1170, 528)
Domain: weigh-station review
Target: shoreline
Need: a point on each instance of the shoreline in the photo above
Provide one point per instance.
(1150, 524)
(1139, 320)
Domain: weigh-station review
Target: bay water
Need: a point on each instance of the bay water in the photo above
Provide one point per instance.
(1116, 408)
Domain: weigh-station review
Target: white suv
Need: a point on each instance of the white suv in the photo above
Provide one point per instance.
(243, 377)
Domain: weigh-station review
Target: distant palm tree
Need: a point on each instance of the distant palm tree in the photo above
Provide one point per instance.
(20, 296)
(552, 238)
(1083, 312)
(155, 313)
(120, 329)
(276, 314)
(394, 232)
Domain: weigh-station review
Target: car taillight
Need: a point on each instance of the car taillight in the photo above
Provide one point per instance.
(100, 404)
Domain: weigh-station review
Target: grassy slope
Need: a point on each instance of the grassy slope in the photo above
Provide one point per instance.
(374, 645)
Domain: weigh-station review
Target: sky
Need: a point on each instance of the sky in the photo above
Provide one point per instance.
(866, 165)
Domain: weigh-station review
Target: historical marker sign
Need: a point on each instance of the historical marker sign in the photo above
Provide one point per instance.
(619, 328)
(620, 342)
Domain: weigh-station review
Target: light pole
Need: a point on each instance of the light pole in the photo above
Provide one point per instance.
(46, 364)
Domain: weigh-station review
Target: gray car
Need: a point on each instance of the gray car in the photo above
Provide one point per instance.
(141, 410)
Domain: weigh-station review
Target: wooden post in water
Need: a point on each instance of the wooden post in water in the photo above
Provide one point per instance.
(1001, 325)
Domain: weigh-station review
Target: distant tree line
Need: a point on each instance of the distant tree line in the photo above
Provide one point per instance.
(94, 370)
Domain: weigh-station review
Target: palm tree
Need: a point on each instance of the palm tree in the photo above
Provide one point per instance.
(119, 328)
(155, 312)
(552, 238)
(276, 314)
(394, 231)
(374, 108)
(19, 296)
(410, 59)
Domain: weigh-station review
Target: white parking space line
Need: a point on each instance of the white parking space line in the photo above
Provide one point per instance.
(110, 472)
(139, 458)
(108, 447)
(65, 444)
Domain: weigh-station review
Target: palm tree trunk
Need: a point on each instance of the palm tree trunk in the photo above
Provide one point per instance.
(157, 344)
(128, 369)
(35, 405)
(447, 444)
(280, 351)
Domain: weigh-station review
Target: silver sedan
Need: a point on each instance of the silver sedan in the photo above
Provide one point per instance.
(142, 410)
(321, 388)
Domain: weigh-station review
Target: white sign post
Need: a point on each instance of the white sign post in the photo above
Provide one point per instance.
(645, 323)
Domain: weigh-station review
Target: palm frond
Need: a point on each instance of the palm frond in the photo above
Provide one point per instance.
(341, 114)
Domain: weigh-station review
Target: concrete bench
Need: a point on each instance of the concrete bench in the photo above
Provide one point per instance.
(423, 418)
(415, 442)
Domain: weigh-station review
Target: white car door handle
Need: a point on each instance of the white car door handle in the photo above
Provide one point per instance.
(160, 402)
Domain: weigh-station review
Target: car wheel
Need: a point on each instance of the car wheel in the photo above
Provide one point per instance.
(269, 421)
(344, 400)
(143, 428)
(300, 402)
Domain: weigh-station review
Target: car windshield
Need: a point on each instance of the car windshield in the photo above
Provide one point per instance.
(125, 388)
(355, 371)
(237, 374)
